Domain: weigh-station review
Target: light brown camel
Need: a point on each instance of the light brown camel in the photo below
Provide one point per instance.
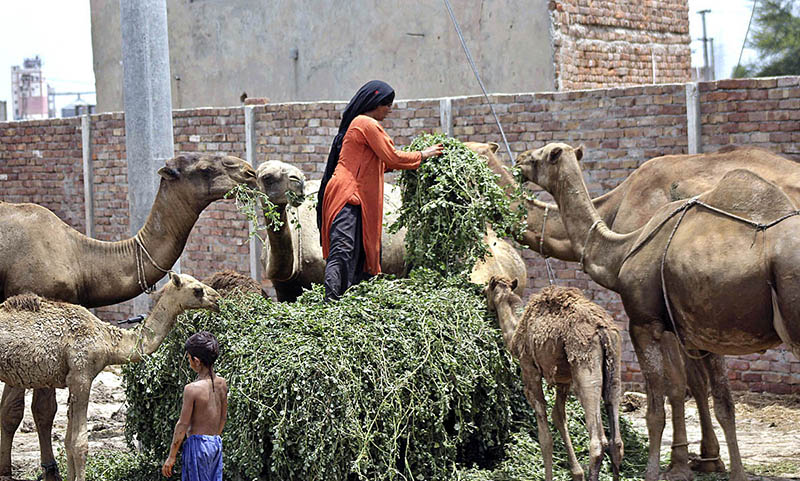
(629, 206)
(49, 344)
(732, 285)
(47, 257)
(228, 282)
(293, 257)
(569, 341)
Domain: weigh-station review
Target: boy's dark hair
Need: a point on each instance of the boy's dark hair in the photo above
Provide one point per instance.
(204, 346)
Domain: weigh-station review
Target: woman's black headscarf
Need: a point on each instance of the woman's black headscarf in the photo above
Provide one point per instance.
(369, 96)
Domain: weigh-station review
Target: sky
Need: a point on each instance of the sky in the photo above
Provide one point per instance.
(59, 31)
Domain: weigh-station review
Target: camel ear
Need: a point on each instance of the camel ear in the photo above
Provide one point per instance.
(176, 279)
(579, 152)
(514, 284)
(492, 283)
(168, 173)
(493, 146)
(555, 154)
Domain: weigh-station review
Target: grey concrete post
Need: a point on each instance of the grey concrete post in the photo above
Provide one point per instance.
(446, 115)
(694, 127)
(250, 157)
(88, 174)
(148, 106)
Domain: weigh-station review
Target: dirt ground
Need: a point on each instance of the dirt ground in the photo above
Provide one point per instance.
(768, 428)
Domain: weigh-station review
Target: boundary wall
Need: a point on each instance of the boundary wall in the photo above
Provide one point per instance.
(41, 161)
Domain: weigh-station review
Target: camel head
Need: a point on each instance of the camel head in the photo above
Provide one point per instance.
(189, 293)
(206, 178)
(277, 179)
(499, 290)
(488, 149)
(542, 166)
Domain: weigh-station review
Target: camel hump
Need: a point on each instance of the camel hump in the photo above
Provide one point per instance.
(744, 193)
(24, 302)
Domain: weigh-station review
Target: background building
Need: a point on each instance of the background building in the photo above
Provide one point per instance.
(222, 51)
(29, 91)
(3, 114)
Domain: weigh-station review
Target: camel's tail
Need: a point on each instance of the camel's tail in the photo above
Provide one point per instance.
(612, 392)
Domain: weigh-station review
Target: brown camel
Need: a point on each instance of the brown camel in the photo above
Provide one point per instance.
(49, 258)
(731, 282)
(293, 258)
(629, 206)
(228, 282)
(49, 344)
(567, 340)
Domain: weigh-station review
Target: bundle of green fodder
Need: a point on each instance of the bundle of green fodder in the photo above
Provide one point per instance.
(399, 379)
(448, 203)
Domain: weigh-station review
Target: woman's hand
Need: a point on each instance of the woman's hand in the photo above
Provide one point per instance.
(432, 151)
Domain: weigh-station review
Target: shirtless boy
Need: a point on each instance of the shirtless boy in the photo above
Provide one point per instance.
(203, 415)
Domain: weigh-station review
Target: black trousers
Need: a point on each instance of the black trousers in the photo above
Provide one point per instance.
(345, 265)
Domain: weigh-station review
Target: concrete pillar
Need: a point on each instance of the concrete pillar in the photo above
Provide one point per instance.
(446, 115)
(148, 106)
(250, 157)
(694, 127)
(88, 174)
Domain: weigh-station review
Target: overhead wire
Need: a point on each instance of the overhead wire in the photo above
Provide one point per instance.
(478, 77)
(744, 42)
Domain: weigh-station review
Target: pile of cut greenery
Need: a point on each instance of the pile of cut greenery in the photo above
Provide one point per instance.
(448, 203)
(400, 379)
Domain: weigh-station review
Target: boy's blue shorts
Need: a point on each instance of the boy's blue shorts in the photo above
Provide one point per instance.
(202, 458)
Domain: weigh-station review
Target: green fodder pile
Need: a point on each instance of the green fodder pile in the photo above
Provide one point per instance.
(400, 379)
(448, 203)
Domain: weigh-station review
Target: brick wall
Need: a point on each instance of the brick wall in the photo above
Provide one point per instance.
(604, 43)
(620, 128)
(41, 162)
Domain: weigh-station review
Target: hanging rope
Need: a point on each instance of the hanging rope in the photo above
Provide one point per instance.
(478, 77)
(551, 276)
(140, 266)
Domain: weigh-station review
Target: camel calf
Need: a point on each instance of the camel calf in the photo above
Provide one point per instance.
(48, 344)
(566, 339)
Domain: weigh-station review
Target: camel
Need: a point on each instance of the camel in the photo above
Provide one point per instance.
(228, 282)
(50, 344)
(47, 257)
(730, 282)
(293, 259)
(567, 340)
(629, 206)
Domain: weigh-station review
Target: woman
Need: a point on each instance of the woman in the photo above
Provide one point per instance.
(350, 199)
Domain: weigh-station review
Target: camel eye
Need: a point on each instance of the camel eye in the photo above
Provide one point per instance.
(229, 163)
(198, 292)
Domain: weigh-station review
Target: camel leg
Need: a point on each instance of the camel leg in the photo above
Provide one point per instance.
(588, 380)
(697, 377)
(724, 409)
(675, 373)
(612, 396)
(12, 407)
(560, 420)
(532, 381)
(44, 411)
(77, 438)
(651, 362)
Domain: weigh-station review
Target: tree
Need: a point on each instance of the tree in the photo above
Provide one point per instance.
(776, 37)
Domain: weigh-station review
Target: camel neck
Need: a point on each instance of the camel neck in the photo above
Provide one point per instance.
(114, 275)
(601, 249)
(281, 264)
(145, 339)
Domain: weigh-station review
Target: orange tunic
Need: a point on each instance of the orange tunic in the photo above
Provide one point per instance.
(367, 152)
